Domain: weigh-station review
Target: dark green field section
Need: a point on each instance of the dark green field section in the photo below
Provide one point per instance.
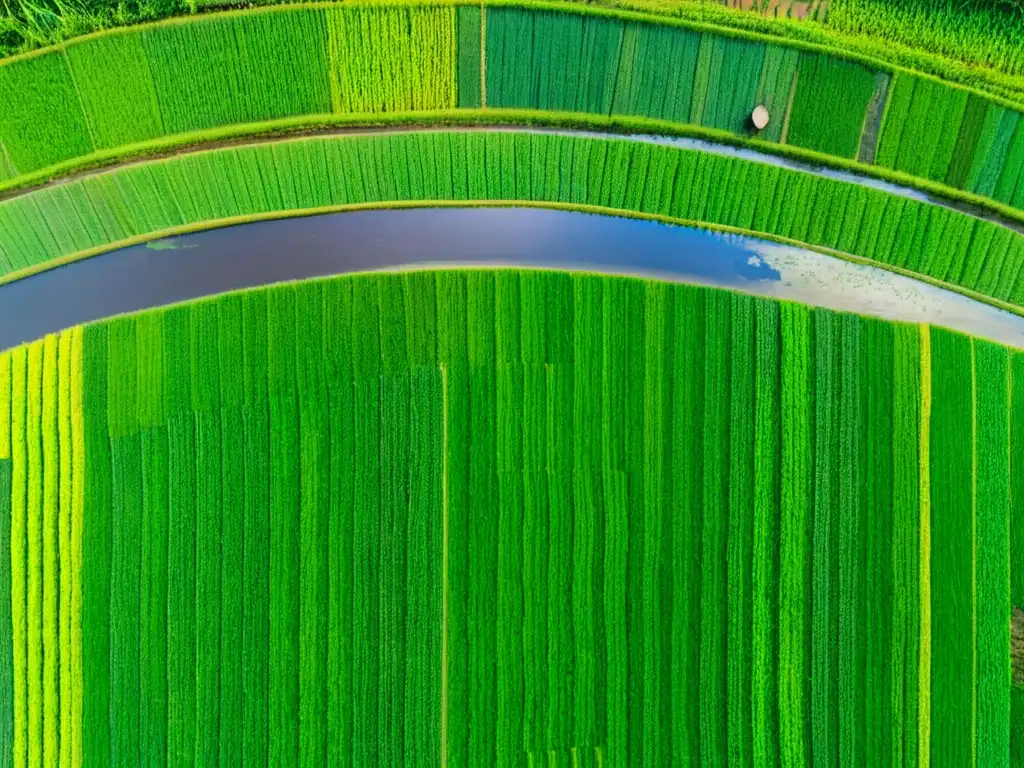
(495, 517)
(400, 168)
(952, 137)
(245, 72)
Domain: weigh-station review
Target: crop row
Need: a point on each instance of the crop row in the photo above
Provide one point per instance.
(946, 135)
(120, 90)
(978, 33)
(42, 489)
(100, 210)
(133, 86)
(483, 514)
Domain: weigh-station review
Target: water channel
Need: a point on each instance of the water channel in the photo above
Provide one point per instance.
(261, 253)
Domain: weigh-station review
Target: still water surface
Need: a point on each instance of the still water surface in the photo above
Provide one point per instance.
(266, 252)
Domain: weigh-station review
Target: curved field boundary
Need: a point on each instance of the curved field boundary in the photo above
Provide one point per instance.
(96, 213)
(636, 515)
(127, 91)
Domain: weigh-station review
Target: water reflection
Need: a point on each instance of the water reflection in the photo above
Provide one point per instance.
(223, 259)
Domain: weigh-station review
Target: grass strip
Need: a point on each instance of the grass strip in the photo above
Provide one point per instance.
(795, 585)
(1016, 540)
(452, 355)
(51, 553)
(95, 598)
(766, 531)
(992, 550)
(881, 625)
(952, 547)
(7, 634)
(34, 551)
(714, 695)
(906, 540)
(231, 373)
(126, 539)
(740, 552)
(825, 544)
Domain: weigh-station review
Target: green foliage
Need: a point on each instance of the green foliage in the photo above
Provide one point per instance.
(775, 87)
(450, 514)
(796, 515)
(468, 61)
(992, 521)
(977, 32)
(733, 73)
(645, 86)
(118, 94)
(907, 371)
(953, 627)
(391, 59)
(989, 169)
(553, 61)
(42, 121)
(186, 191)
(7, 636)
(921, 127)
(1016, 416)
(239, 68)
(826, 689)
(818, 119)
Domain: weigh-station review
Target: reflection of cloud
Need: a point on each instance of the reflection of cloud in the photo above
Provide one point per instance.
(826, 281)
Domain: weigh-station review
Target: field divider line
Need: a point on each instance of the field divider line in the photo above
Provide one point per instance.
(483, 55)
(784, 136)
(924, 681)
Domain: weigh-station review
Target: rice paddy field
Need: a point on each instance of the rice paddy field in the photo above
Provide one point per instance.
(979, 32)
(196, 190)
(516, 517)
(507, 517)
(138, 90)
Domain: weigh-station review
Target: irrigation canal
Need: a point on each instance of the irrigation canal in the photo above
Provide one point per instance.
(217, 260)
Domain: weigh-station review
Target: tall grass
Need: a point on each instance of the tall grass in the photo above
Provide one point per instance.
(392, 59)
(450, 514)
(818, 119)
(1016, 406)
(992, 572)
(953, 508)
(299, 175)
(977, 32)
(110, 94)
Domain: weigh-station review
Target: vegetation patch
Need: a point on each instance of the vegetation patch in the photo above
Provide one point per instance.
(302, 519)
(367, 64)
(202, 189)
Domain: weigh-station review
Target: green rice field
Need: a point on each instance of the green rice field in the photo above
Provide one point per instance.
(94, 213)
(507, 517)
(131, 92)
